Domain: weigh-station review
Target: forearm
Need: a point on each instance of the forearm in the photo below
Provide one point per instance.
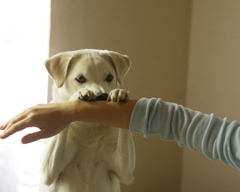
(102, 112)
(52, 118)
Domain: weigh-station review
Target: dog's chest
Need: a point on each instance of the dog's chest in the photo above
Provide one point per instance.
(96, 147)
(92, 136)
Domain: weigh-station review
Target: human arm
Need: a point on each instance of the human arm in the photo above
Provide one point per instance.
(104, 113)
(52, 118)
(216, 138)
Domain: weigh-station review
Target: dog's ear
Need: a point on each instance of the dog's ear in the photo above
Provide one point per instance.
(121, 64)
(58, 66)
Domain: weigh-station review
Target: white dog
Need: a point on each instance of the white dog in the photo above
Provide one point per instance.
(88, 157)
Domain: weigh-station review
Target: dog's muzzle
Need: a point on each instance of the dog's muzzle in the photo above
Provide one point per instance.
(99, 97)
(102, 97)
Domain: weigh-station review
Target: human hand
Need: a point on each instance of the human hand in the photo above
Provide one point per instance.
(50, 118)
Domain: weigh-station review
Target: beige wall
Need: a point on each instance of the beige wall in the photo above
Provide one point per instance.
(213, 87)
(155, 35)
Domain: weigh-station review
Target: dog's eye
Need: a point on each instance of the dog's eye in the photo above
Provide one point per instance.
(81, 79)
(109, 78)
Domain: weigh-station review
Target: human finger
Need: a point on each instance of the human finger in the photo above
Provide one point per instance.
(15, 119)
(3, 127)
(15, 128)
(32, 137)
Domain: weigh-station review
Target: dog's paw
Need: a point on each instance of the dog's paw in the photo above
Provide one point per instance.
(118, 95)
(83, 94)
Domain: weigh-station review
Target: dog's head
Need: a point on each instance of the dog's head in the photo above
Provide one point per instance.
(98, 70)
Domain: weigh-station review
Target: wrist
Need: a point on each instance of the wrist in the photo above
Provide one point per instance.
(70, 109)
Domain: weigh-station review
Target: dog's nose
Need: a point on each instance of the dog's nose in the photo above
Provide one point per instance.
(101, 97)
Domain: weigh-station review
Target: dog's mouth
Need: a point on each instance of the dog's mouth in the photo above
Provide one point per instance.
(102, 97)
(99, 97)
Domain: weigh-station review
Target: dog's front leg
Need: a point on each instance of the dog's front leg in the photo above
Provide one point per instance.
(57, 153)
(124, 157)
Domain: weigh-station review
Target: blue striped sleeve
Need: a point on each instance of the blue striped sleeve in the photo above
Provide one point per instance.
(216, 138)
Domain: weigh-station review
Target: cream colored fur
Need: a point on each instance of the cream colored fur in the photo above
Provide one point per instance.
(87, 157)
